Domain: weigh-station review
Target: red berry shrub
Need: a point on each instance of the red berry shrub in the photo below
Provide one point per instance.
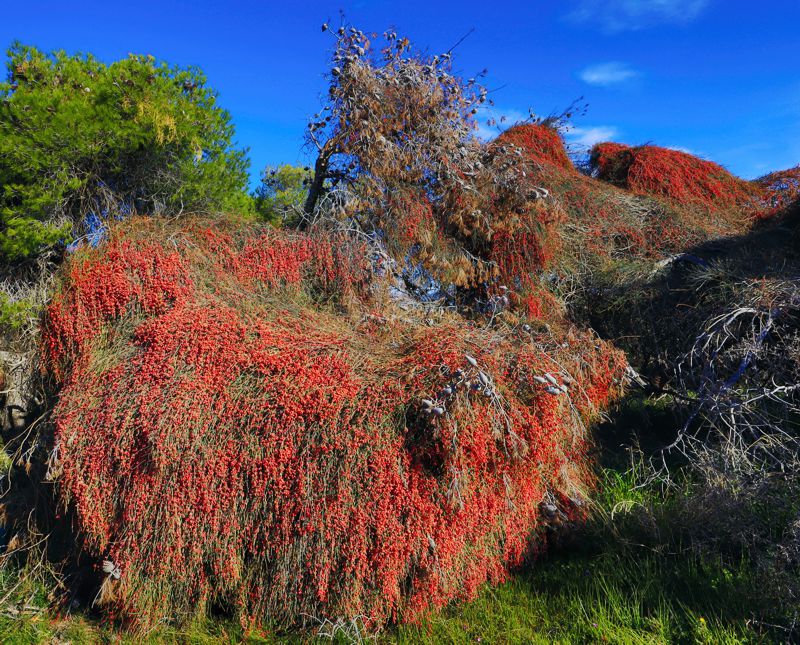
(646, 202)
(678, 176)
(520, 256)
(245, 422)
(591, 220)
(611, 161)
(541, 143)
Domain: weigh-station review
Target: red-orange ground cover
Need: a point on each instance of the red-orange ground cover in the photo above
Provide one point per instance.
(678, 176)
(592, 221)
(245, 422)
(541, 143)
(643, 202)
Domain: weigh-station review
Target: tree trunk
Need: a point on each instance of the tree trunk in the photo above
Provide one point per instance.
(316, 189)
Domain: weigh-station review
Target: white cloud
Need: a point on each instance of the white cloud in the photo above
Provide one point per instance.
(587, 137)
(628, 15)
(605, 74)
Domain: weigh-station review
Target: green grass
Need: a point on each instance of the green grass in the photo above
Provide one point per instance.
(606, 598)
(610, 585)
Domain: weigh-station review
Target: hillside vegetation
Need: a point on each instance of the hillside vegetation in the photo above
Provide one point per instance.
(444, 389)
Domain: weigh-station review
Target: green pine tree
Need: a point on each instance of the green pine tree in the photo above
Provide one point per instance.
(78, 136)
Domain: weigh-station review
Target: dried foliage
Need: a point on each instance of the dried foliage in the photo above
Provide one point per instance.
(780, 189)
(397, 160)
(744, 371)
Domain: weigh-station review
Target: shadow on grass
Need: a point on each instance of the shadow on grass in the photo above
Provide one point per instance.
(616, 595)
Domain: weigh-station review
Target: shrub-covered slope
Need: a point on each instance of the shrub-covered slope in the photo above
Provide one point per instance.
(708, 310)
(599, 224)
(630, 240)
(245, 422)
(378, 411)
(678, 176)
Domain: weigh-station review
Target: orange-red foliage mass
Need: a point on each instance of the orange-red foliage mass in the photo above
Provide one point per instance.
(541, 143)
(243, 422)
(673, 174)
(589, 220)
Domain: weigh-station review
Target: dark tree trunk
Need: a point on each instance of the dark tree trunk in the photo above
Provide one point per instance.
(316, 189)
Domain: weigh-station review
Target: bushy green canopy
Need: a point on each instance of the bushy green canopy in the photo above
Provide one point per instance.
(78, 136)
(280, 196)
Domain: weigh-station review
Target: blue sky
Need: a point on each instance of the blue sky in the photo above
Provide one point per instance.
(719, 78)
